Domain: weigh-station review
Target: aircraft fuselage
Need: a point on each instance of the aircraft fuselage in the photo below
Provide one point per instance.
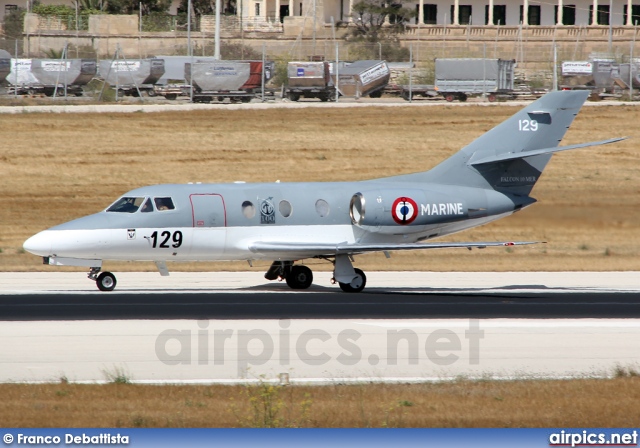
(221, 221)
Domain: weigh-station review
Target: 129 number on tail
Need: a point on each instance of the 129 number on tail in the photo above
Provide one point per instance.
(166, 238)
(527, 125)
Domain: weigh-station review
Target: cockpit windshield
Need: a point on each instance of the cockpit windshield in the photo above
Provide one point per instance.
(126, 205)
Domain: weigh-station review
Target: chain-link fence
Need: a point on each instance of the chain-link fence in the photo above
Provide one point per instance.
(411, 55)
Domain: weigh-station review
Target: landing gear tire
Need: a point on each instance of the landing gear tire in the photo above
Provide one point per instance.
(300, 277)
(357, 284)
(106, 281)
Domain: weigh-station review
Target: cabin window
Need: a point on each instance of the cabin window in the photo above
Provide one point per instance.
(322, 208)
(163, 204)
(126, 205)
(147, 207)
(248, 209)
(285, 208)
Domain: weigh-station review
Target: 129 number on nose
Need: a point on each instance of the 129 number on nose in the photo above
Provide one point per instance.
(166, 238)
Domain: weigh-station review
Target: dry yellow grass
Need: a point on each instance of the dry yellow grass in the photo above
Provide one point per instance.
(578, 403)
(57, 167)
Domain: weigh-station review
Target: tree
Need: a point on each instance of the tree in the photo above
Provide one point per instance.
(208, 7)
(91, 5)
(133, 6)
(13, 23)
(370, 17)
(199, 7)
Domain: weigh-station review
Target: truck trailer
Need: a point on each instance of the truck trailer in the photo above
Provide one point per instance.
(50, 76)
(173, 84)
(461, 78)
(238, 81)
(309, 80)
(132, 75)
(604, 78)
(363, 78)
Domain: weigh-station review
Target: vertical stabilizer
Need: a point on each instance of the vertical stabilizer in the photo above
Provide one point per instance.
(540, 125)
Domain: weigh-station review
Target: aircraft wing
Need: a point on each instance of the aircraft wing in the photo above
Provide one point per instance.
(306, 250)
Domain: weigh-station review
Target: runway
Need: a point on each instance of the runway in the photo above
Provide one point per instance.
(234, 327)
(240, 295)
(372, 304)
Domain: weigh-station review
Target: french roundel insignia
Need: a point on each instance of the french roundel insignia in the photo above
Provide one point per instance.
(404, 210)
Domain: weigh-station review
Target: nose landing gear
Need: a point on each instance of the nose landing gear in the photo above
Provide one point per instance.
(105, 281)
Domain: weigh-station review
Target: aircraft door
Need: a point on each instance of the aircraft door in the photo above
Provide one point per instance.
(208, 210)
(209, 226)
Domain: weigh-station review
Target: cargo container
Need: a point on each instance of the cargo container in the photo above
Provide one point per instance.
(309, 80)
(173, 83)
(45, 76)
(174, 67)
(604, 78)
(461, 78)
(132, 75)
(238, 81)
(625, 76)
(363, 78)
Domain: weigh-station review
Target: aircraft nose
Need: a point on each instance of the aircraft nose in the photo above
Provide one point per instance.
(39, 244)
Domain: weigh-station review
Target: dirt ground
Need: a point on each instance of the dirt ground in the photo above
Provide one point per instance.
(56, 167)
(588, 403)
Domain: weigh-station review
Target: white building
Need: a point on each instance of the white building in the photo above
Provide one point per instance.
(438, 12)
(463, 12)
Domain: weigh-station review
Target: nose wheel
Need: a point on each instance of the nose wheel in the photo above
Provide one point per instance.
(105, 281)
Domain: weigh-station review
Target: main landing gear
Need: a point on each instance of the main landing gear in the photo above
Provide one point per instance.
(357, 284)
(297, 277)
(349, 279)
(105, 281)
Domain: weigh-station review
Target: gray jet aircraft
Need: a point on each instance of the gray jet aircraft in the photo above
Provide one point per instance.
(287, 222)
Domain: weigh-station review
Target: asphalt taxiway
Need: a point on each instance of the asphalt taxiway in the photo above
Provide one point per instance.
(230, 327)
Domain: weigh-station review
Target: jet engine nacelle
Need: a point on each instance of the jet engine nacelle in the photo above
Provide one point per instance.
(404, 211)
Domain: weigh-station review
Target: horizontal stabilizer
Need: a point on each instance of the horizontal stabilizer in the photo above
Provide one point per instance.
(317, 249)
(536, 152)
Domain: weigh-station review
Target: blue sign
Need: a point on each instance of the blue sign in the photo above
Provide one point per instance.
(300, 71)
(318, 438)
